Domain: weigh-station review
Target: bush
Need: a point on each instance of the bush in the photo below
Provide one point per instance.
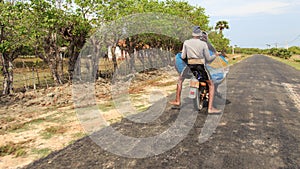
(282, 53)
(248, 51)
(295, 50)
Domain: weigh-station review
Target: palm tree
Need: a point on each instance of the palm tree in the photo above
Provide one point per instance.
(221, 25)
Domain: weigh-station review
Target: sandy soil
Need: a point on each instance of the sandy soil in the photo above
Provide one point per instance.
(259, 128)
(36, 123)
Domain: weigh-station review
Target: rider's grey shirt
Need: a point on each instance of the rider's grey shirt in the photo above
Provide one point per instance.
(196, 49)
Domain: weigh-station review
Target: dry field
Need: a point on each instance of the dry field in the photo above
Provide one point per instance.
(35, 123)
(38, 122)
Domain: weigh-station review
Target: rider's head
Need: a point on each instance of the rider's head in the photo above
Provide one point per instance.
(197, 31)
(204, 36)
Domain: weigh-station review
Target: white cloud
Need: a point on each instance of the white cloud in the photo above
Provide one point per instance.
(242, 7)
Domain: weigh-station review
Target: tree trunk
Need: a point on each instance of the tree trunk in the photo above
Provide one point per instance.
(132, 63)
(73, 56)
(74, 66)
(95, 66)
(7, 75)
(114, 57)
(54, 72)
(61, 66)
(49, 53)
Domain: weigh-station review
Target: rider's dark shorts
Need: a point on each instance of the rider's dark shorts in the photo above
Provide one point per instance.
(184, 70)
(186, 73)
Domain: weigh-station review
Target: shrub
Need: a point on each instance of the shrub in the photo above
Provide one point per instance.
(295, 50)
(12, 148)
(282, 53)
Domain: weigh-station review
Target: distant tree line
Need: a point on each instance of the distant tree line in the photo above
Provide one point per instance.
(45, 28)
(278, 52)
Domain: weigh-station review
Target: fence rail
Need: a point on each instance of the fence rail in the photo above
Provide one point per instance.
(35, 77)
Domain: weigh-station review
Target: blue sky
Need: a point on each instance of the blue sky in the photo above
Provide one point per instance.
(256, 23)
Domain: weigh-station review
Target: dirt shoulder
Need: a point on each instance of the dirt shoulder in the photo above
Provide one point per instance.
(259, 129)
(36, 123)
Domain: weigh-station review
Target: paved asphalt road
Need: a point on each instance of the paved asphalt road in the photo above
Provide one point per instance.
(260, 128)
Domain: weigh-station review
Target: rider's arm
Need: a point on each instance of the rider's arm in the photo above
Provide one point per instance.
(207, 56)
(184, 52)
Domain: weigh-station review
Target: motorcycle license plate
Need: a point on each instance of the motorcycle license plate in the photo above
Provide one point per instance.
(192, 93)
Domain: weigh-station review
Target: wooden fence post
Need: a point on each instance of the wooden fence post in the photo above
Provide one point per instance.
(25, 85)
(38, 77)
(46, 81)
(33, 77)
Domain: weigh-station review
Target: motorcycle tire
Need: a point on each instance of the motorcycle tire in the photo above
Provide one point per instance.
(198, 101)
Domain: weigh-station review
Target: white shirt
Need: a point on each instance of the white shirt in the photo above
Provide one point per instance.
(196, 49)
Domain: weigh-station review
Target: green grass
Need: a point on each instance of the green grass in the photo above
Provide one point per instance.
(115, 120)
(22, 78)
(41, 152)
(106, 106)
(60, 117)
(17, 128)
(23, 73)
(294, 63)
(20, 153)
(51, 131)
(79, 135)
(20, 127)
(297, 60)
(12, 149)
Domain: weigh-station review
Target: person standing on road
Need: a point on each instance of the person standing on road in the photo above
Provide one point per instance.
(195, 51)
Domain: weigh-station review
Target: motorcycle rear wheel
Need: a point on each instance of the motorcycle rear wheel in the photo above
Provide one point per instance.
(199, 101)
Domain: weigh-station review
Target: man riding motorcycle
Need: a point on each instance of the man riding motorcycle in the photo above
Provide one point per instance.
(196, 51)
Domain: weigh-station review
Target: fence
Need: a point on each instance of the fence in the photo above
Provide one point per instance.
(33, 76)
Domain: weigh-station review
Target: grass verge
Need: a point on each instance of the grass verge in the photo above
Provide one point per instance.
(20, 127)
(11, 148)
(41, 152)
(237, 58)
(295, 63)
(51, 131)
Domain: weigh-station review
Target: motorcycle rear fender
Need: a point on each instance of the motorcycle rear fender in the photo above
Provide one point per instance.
(194, 84)
(202, 84)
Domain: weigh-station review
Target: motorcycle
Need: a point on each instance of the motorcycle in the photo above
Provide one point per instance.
(199, 89)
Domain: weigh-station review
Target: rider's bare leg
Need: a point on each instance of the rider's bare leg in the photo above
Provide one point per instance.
(211, 86)
(177, 101)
